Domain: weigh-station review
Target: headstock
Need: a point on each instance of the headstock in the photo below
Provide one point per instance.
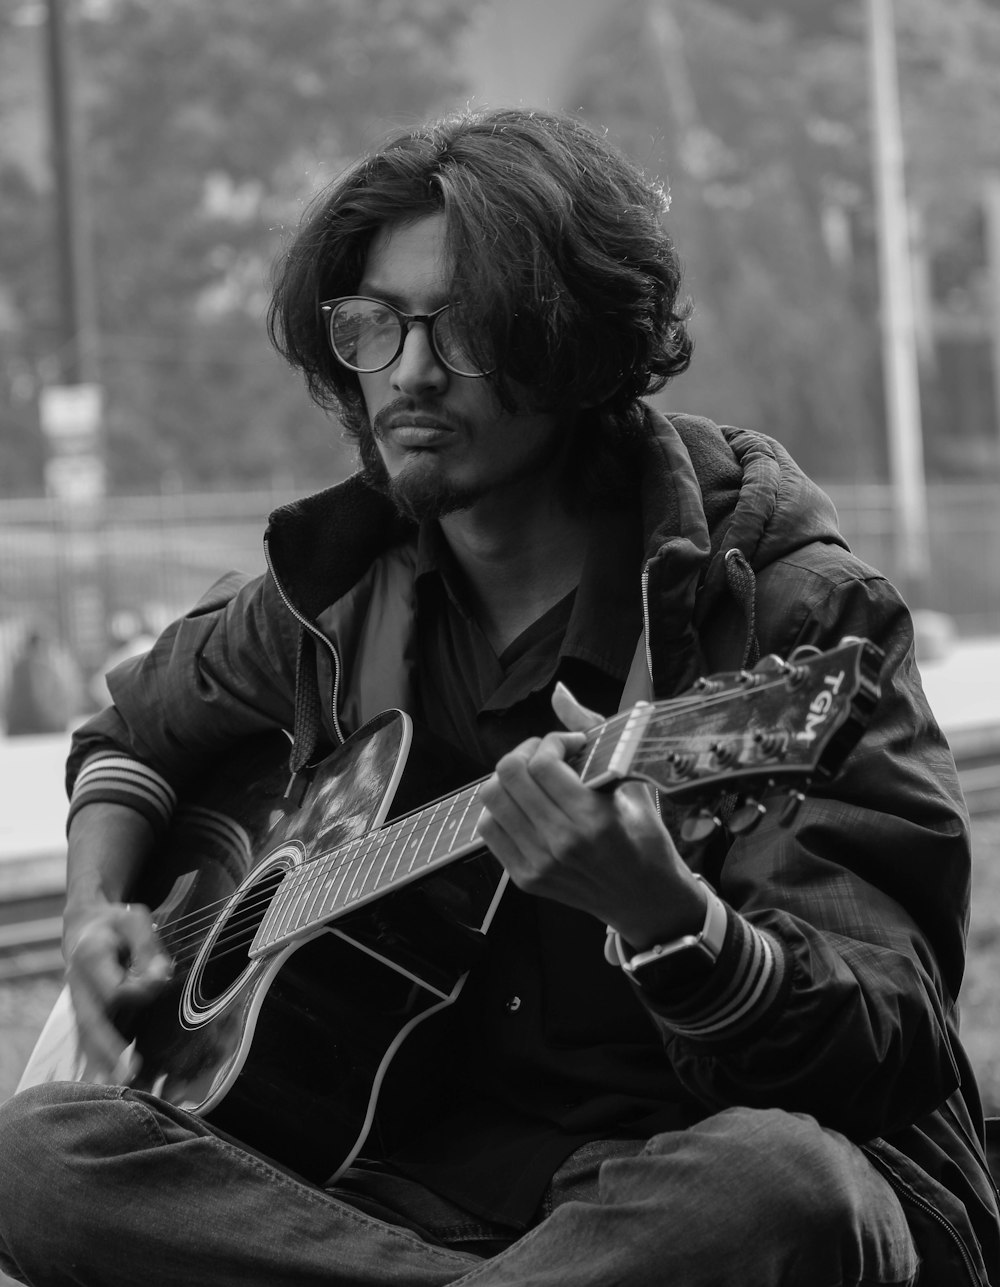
(783, 724)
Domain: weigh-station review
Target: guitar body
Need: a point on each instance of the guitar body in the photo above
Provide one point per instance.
(291, 1052)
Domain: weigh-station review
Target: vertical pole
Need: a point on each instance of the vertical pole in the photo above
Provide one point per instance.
(899, 343)
(78, 359)
(71, 409)
(991, 208)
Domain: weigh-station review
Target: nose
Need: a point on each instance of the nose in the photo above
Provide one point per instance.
(417, 368)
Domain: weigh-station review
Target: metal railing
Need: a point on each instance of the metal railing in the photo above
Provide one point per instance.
(156, 555)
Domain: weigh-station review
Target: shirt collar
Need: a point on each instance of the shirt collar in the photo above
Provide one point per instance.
(606, 618)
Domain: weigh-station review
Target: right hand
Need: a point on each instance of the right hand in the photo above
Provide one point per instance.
(114, 964)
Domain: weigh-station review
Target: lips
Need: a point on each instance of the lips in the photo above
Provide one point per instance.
(413, 428)
(415, 420)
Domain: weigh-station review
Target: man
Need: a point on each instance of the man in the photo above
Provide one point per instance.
(782, 1098)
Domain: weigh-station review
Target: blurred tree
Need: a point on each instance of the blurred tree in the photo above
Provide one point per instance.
(757, 112)
(207, 126)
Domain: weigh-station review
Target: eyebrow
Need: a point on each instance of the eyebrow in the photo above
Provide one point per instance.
(436, 300)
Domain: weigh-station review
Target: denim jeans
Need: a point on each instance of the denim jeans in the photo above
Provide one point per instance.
(112, 1188)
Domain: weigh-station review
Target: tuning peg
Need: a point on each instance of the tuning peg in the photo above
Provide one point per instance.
(773, 744)
(746, 817)
(681, 763)
(725, 753)
(697, 827)
(790, 808)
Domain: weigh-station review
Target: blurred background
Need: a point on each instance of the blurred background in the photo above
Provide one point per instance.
(835, 173)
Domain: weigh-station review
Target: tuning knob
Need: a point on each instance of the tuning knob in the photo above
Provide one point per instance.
(774, 745)
(746, 817)
(790, 808)
(681, 763)
(697, 827)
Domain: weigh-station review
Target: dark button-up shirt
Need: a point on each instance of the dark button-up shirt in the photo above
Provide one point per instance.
(558, 1049)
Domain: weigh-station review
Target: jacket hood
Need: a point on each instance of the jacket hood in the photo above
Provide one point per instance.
(719, 505)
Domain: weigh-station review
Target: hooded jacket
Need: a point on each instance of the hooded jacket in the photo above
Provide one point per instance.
(835, 994)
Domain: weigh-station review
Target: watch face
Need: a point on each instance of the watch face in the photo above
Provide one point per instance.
(681, 967)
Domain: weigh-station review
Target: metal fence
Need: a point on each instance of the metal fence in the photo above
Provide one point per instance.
(72, 571)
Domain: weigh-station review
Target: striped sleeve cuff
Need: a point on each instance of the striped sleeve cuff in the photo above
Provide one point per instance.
(746, 985)
(108, 777)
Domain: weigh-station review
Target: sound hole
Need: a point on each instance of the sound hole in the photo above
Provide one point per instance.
(226, 959)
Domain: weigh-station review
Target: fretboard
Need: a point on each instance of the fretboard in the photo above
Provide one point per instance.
(348, 877)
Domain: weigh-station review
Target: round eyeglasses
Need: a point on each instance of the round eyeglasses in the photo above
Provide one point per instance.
(368, 335)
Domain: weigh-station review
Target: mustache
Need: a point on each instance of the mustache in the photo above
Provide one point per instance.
(407, 411)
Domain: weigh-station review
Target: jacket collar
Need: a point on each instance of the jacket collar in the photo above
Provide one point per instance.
(705, 491)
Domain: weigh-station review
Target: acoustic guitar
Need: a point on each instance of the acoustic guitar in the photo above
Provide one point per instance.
(309, 942)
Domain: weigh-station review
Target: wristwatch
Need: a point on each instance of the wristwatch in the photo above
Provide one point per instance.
(687, 959)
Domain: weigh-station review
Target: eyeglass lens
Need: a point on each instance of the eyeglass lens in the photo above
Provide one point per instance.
(368, 335)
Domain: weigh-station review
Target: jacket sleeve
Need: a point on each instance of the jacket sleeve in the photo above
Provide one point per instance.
(221, 672)
(835, 991)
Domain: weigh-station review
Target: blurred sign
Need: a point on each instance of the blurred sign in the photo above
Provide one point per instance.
(71, 415)
(71, 418)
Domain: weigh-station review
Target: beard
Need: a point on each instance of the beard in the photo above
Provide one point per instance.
(422, 491)
(420, 495)
(417, 494)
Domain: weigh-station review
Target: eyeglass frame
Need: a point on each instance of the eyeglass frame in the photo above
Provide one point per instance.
(406, 321)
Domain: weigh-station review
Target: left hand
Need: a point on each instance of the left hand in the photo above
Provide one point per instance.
(603, 852)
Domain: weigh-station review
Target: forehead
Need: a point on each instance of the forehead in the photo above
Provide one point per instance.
(407, 263)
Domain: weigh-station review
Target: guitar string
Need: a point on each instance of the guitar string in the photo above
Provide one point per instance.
(350, 855)
(250, 910)
(194, 922)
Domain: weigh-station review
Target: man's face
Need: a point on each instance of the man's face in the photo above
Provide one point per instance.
(445, 441)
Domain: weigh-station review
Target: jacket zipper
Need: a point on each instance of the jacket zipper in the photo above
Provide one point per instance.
(645, 620)
(910, 1195)
(316, 634)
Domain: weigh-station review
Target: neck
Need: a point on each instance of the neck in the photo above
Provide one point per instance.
(519, 555)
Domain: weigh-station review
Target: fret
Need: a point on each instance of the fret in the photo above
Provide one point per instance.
(285, 916)
(451, 824)
(409, 840)
(471, 798)
(330, 871)
(352, 870)
(336, 897)
(427, 843)
(315, 883)
(371, 846)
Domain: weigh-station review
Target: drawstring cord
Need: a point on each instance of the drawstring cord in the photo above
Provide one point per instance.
(743, 587)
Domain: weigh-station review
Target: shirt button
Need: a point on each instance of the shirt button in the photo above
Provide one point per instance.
(512, 1004)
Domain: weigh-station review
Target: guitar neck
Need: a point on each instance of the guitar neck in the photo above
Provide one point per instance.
(384, 860)
(781, 723)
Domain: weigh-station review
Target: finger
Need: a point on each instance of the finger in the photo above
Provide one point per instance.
(573, 715)
(149, 965)
(508, 828)
(539, 782)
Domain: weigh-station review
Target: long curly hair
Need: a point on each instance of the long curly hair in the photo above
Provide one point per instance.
(558, 254)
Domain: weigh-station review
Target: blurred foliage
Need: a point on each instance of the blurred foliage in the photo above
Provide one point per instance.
(208, 125)
(757, 112)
